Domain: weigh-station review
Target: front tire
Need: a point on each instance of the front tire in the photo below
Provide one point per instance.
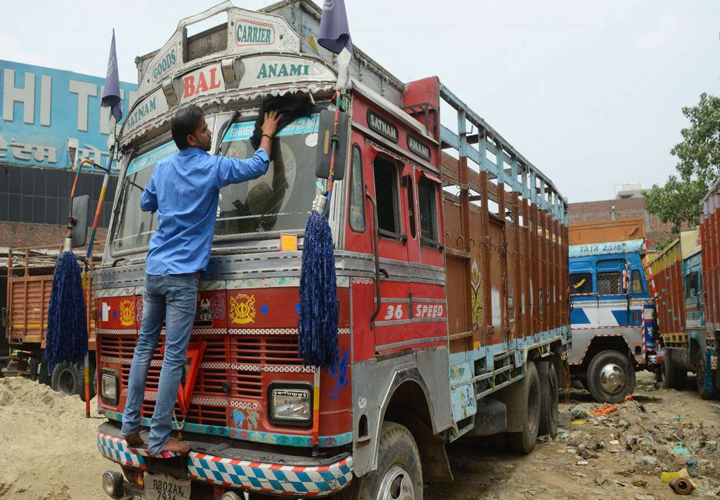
(399, 472)
(548, 398)
(611, 377)
(524, 441)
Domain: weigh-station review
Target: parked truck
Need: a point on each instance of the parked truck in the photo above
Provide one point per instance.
(681, 314)
(710, 282)
(451, 259)
(25, 316)
(687, 277)
(612, 309)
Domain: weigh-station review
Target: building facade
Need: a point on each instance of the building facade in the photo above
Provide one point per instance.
(49, 121)
(621, 208)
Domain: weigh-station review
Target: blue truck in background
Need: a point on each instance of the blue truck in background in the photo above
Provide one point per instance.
(612, 318)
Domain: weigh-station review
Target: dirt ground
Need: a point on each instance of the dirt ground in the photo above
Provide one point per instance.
(48, 450)
(620, 456)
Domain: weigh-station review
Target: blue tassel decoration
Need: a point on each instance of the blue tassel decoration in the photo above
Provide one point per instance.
(67, 337)
(318, 323)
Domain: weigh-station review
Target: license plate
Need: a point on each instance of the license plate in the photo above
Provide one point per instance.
(163, 487)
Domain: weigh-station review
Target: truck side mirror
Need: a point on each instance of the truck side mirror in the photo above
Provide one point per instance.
(324, 148)
(80, 209)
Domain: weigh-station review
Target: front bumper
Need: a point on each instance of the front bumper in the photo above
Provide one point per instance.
(221, 466)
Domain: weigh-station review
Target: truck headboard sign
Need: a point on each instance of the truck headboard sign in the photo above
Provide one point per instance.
(418, 147)
(205, 80)
(269, 70)
(382, 126)
(168, 61)
(153, 105)
(248, 33)
(588, 249)
(253, 33)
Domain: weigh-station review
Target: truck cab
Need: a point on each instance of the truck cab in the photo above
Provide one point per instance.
(612, 317)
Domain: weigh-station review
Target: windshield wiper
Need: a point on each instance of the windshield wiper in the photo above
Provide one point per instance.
(224, 129)
(135, 185)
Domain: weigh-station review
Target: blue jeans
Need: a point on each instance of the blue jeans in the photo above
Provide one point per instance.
(171, 298)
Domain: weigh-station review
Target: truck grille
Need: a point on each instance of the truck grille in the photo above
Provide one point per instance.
(250, 353)
(245, 356)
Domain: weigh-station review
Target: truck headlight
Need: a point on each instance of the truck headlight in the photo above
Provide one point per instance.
(109, 386)
(291, 404)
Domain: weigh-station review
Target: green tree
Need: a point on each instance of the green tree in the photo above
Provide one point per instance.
(698, 167)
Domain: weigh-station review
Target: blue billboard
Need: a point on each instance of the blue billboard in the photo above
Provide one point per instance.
(47, 113)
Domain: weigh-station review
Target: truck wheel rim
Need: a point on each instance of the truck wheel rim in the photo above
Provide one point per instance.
(612, 378)
(396, 485)
(67, 382)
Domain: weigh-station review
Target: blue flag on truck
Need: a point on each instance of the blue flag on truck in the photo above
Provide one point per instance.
(335, 36)
(334, 30)
(111, 94)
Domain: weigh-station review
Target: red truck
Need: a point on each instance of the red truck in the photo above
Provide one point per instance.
(452, 278)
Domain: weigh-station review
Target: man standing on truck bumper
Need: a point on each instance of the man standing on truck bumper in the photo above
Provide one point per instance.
(184, 190)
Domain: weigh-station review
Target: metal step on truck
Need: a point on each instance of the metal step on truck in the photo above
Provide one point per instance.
(612, 308)
(452, 282)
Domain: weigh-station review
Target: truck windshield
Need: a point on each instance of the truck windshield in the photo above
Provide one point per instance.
(280, 200)
(135, 227)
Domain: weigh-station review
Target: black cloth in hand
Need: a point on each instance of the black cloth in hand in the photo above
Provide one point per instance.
(290, 106)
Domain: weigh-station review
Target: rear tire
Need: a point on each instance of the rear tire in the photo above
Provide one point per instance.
(33, 366)
(66, 379)
(548, 398)
(524, 442)
(611, 377)
(399, 472)
(675, 377)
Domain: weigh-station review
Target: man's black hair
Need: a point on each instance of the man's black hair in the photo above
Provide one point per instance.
(185, 123)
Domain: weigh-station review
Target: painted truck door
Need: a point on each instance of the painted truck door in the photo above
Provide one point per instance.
(384, 184)
(359, 242)
(428, 305)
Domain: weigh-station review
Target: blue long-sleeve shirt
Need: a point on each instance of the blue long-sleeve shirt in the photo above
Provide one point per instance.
(184, 190)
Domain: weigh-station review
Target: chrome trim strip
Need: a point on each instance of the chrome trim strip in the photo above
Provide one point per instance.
(393, 322)
(411, 342)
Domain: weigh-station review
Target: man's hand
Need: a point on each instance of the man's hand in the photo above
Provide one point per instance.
(269, 126)
(270, 123)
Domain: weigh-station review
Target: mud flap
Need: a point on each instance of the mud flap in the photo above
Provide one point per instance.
(434, 459)
(513, 397)
(491, 418)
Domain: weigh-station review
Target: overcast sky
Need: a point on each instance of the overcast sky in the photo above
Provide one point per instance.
(590, 92)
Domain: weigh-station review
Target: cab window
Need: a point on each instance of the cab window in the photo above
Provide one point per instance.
(637, 284)
(581, 283)
(428, 211)
(692, 285)
(386, 197)
(357, 198)
(609, 283)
